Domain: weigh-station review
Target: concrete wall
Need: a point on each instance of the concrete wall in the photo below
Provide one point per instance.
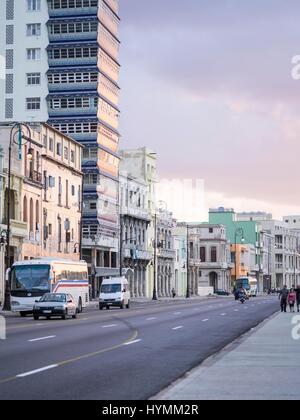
(22, 65)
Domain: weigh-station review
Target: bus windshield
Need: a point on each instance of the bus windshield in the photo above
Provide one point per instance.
(110, 288)
(30, 278)
(243, 283)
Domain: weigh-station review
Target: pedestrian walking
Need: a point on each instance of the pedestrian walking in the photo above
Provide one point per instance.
(173, 292)
(283, 297)
(292, 299)
(297, 290)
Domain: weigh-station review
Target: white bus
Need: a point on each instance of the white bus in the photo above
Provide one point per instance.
(249, 284)
(31, 279)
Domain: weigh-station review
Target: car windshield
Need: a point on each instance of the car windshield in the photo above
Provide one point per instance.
(110, 288)
(30, 278)
(53, 297)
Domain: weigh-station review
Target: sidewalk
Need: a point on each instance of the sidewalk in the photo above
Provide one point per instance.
(262, 365)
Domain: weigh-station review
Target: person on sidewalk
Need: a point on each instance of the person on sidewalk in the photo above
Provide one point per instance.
(292, 299)
(283, 296)
(173, 292)
(297, 290)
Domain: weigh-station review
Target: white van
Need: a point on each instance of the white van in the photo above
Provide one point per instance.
(114, 292)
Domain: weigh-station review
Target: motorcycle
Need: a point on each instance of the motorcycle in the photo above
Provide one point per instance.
(242, 299)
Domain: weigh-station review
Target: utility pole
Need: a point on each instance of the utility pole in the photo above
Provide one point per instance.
(187, 263)
(121, 243)
(154, 297)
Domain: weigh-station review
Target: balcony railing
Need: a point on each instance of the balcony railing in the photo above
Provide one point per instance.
(72, 11)
(64, 112)
(35, 176)
(57, 87)
(89, 36)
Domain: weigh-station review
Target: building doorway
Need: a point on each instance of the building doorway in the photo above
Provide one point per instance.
(213, 280)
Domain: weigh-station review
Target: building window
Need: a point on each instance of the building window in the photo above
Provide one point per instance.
(203, 254)
(59, 191)
(33, 104)
(33, 79)
(45, 140)
(33, 5)
(25, 210)
(211, 230)
(33, 29)
(93, 206)
(73, 190)
(66, 153)
(213, 254)
(67, 193)
(58, 149)
(33, 53)
(72, 156)
(51, 144)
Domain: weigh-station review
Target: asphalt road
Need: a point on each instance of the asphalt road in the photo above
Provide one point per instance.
(120, 354)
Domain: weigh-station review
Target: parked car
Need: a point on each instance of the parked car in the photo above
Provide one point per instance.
(222, 292)
(55, 304)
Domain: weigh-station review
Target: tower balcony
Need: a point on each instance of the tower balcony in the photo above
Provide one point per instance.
(76, 112)
(72, 11)
(71, 87)
(76, 36)
(68, 62)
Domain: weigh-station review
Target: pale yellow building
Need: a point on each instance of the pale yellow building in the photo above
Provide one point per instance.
(49, 197)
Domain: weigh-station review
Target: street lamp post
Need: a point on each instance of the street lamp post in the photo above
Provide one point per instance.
(154, 297)
(238, 232)
(187, 263)
(17, 128)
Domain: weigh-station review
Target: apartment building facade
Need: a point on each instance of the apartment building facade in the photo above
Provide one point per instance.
(46, 195)
(135, 219)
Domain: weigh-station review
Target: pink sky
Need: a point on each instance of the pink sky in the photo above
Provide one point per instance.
(207, 84)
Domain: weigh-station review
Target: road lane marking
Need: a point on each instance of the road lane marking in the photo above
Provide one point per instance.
(109, 326)
(150, 319)
(177, 313)
(222, 314)
(236, 310)
(33, 372)
(42, 338)
(205, 320)
(177, 328)
(132, 342)
(79, 358)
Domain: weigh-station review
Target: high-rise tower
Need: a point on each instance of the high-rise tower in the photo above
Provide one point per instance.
(61, 59)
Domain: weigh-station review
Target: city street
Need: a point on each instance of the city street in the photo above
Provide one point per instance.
(131, 354)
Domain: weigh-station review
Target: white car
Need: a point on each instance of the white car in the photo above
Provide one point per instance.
(55, 304)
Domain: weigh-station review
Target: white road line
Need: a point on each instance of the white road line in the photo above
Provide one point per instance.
(222, 314)
(236, 310)
(132, 342)
(33, 372)
(205, 320)
(42, 338)
(150, 319)
(177, 328)
(109, 326)
(177, 313)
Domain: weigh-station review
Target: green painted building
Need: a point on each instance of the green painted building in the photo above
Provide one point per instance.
(240, 232)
